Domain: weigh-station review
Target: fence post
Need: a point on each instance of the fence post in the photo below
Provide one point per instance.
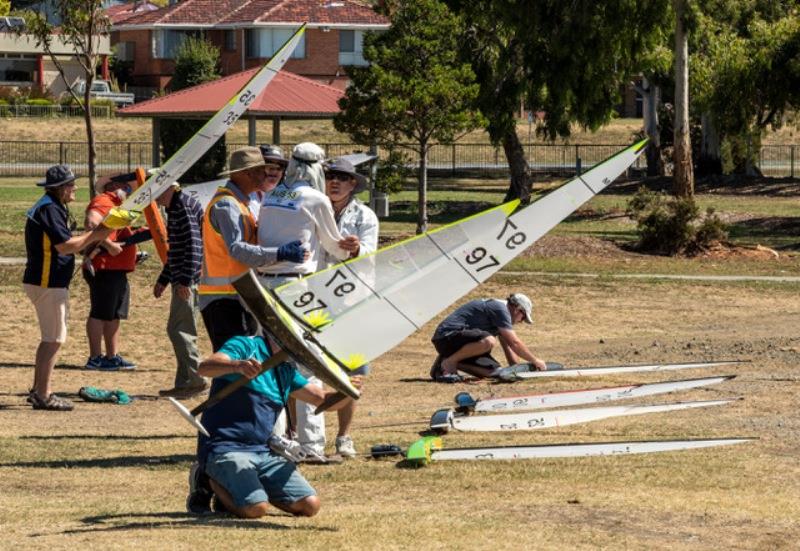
(61, 154)
(577, 161)
(454, 159)
(129, 156)
(791, 163)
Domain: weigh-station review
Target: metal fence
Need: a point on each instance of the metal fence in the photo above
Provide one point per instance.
(28, 158)
(24, 110)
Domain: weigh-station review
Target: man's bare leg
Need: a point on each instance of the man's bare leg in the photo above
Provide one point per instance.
(256, 510)
(346, 417)
(94, 332)
(43, 370)
(111, 337)
(477, 348)
(306, 507)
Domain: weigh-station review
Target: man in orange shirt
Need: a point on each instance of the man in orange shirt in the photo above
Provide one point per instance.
(109, 292)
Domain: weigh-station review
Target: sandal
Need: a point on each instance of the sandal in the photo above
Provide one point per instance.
(52, 403)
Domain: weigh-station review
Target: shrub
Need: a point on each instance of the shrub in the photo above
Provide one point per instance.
(672, 225)
(39, 101)
(392, 171)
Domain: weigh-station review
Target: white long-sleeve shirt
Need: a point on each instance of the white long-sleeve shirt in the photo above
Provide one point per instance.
(359, 220)
(298, 212)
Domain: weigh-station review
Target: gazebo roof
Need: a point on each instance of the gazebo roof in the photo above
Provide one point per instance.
(288, 96)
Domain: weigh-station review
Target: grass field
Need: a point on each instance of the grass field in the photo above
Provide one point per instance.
(618, 131)
(106, 476)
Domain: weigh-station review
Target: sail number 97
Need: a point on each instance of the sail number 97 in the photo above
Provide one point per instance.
(340, 289)
(511, 238)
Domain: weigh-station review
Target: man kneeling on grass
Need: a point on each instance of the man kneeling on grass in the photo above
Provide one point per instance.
(235, 463)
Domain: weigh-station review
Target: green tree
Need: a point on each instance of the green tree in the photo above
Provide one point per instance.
(567, 59)
(82, 23)
(196, 62)
(746, 74)
(5, 7)
(415, 87)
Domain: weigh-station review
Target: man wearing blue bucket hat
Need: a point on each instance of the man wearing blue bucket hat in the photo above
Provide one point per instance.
(50, 248)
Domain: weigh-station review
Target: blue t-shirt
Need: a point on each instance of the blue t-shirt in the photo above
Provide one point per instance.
(244, 420)
(488, 315)
(47, 225)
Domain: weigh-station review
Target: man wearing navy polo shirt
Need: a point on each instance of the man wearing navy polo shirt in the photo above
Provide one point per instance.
(244, 474)
(51, 248)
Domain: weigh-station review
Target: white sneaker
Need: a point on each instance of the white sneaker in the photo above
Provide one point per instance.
(345, 446)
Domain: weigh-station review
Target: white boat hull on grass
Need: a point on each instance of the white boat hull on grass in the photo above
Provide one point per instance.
(559, 418)
(587, 396)
(612, 370)
(581, 450)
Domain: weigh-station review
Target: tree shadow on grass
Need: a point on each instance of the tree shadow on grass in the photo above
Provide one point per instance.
(105, 523)
(145, 461)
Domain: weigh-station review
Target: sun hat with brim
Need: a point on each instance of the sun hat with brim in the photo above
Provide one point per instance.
(57, 175)
(243, 159)
(524, 303)
(273, 154)
(308, 152)
(124, 178)
(343, 166)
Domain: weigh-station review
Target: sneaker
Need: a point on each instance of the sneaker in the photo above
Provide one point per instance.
(198, 502)
(117, 362)
(449, 378)
(94, 362)
(345, 446)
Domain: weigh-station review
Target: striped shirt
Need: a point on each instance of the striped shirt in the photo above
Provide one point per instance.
(185, 239)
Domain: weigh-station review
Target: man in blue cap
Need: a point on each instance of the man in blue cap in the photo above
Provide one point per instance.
(51, 248)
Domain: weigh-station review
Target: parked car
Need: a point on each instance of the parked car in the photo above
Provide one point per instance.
(101, 89)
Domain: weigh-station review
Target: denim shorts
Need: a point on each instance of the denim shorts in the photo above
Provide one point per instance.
(257, 477)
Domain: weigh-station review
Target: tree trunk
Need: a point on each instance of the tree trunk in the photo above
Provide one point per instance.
(651, 98)
(87, 116)
(520, 186)
(422, 199)
(683, 175)
(710, 161)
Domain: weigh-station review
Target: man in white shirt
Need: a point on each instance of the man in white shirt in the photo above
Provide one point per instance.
(298, 207)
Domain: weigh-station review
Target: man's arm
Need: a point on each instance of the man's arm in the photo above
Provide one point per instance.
(92, 221)
(315, 395)
(219, 364)
(327, 230)
(227, 219)
(80, 242)
(515, 349)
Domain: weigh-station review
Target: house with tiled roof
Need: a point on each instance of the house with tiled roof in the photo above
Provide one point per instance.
(248, 32)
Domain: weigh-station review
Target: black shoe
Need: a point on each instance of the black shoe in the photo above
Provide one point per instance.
(198, 502)
(436, 368)
(219, 507)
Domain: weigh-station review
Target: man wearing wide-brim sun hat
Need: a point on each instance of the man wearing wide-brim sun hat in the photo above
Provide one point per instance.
(50, 247)
(230, 248)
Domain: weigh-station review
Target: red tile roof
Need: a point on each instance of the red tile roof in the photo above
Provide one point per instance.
(120, 12)
(241, 12)
(288, 95)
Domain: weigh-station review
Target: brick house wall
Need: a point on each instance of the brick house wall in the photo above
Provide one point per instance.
(321, 61)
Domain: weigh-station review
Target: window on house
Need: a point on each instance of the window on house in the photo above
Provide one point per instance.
(167, 41)
(230, 40)
(263, 43)
(351, 48)
(17, 70)
(125, 50)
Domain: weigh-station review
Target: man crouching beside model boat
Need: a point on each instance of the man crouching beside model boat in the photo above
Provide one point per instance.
(236, 463)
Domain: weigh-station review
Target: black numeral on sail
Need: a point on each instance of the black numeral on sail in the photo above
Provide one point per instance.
(515, 239)
(230, 118)
(306, 299)
(342, 289)
(247, 97)
(478, 254)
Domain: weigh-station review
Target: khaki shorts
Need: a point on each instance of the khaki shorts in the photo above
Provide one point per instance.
(52, 309)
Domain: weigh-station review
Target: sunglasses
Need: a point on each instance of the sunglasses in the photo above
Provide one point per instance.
(338, 176)
(273, 168)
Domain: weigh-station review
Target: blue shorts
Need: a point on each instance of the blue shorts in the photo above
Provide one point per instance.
(257, 477)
